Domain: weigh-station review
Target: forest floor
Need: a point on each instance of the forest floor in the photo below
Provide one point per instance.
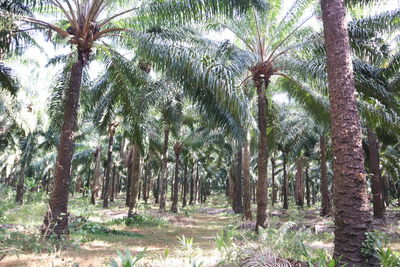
(89, 245)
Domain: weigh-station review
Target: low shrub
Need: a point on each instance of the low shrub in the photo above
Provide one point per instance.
(140, 220)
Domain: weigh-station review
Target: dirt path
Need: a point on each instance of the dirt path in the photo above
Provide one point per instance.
(201, 226)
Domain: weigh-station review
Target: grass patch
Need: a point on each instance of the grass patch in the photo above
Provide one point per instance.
(140, 220)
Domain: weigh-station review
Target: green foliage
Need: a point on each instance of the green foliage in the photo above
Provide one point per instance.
(224, 241)
(140, 220)
(86, 230)
(188, 251)
(374, 245)
(374, 241)
(127, 260)
(388, 258)
(320, 258)
(16, 242)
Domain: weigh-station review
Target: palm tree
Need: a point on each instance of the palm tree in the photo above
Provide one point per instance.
(86, 24)
(269, 37)
(351, 214)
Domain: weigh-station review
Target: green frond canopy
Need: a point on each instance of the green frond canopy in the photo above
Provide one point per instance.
(179, 12)
(7, 81)
(207, 81)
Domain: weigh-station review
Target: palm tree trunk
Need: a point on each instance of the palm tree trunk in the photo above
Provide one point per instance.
(135, 180)
(325, 203)
(285, 183)
(196, 184)
(175, 208)
(19, 197)
(246, 182)
(56, 219)
(185, 186)
(146, 183)
(351, 213)
(299, 183)
(163, 182)
(262, 183)
(109, 163)
(238, 206)
(308, 197)
(157, 190)
(376, 181)
(191, 186)
(113, 183)
(129, 177)
(273, 181)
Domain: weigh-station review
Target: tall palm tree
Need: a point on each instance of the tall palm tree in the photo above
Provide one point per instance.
(351, 214)
(87, 23)
(269, 35)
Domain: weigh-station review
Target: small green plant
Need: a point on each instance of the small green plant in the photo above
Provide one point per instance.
(320, 258)
(188, 251)
(374, 241)
(127, 259)
(387, 258)
(139, 220)
(224, 241)
(85, 229)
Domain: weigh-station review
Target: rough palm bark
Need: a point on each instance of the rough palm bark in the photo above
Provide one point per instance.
(56, 219)
(135, 180)
(163, 181)
(238, 205)
(351, 213)
(299, 183)
(246, 182)
(177, 150)
(285, 183)
(325, 202)
(111, 132)
(376, 180)
(262, 185)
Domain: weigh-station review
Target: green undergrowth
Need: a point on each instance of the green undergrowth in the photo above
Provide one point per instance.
(140, 220)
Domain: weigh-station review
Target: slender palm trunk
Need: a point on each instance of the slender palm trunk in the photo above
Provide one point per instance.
(262, 183)
(246, 181)
(299, 183)
(185, 186)
(108, 166)
(20, 186)
(113, 183)
(191, 186)
(163, 182)
(56, 219)
(135, 181)
(157, 190)
(325, 203)
(273, 186)
(175, 207)
(376, 181)
(351, 213)
(285, 183)
(146, 183)
(129, 177)
(238, 206)
(308, 197)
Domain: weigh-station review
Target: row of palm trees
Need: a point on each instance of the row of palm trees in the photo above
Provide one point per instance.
(222, 78)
